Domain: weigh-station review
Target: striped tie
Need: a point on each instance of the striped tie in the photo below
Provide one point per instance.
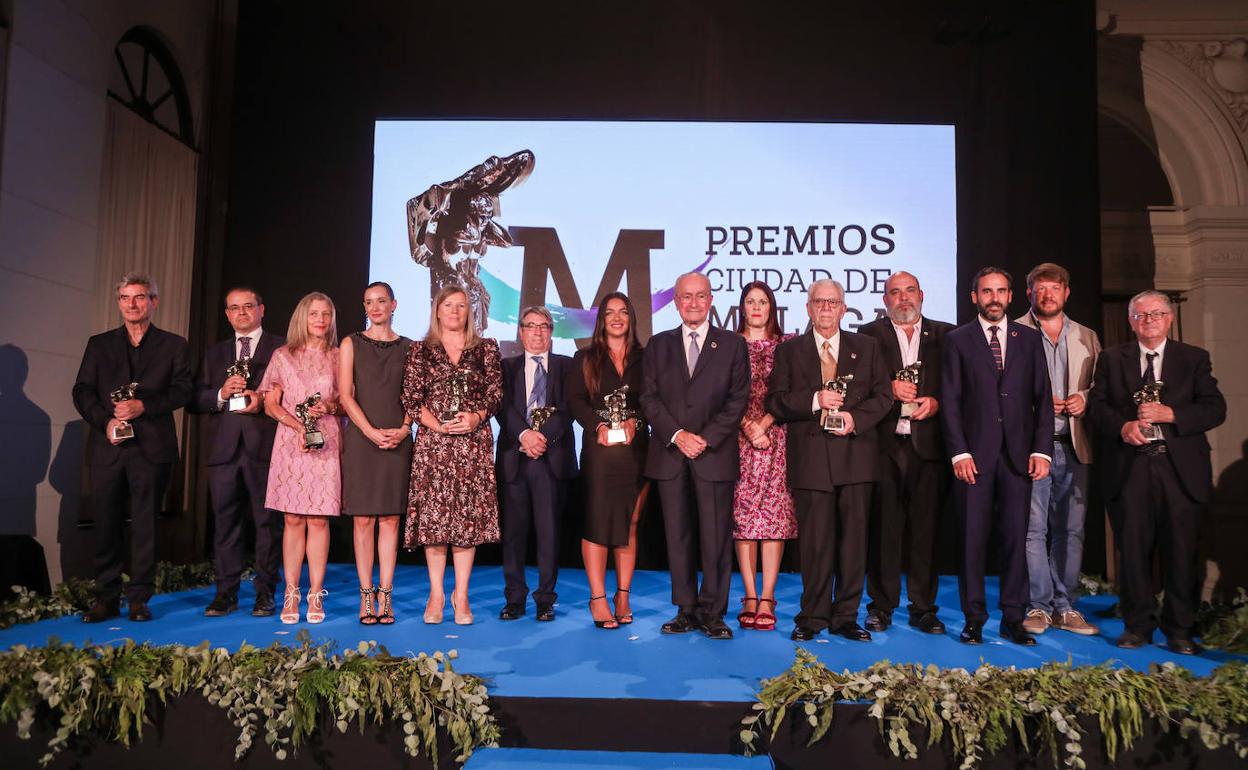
(538, 397)
(995, 346)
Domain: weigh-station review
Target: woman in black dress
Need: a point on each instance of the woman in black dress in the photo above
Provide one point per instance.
(615, 487)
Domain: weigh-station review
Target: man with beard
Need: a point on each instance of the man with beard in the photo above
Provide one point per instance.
(912, 477)
(997, 414)
(1059, 501)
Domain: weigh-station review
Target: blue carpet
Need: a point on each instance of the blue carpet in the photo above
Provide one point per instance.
(542, 759)
(571, 658)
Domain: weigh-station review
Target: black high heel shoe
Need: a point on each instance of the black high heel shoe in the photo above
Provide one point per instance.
(367, 616)
(608, 624)
(627, 617)
(385, 613)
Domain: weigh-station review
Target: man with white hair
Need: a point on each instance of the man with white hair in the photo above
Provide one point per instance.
(1151, 403)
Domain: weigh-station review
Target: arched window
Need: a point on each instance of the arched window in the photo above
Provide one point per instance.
(148, 81)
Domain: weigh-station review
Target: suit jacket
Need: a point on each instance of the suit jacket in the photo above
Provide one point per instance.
(711, 403)
(226, 429)
(925, 435)
(560, 441)
(986, 412)
(1190, 390)
(164, 387)
(1082, 348)
(817, 459)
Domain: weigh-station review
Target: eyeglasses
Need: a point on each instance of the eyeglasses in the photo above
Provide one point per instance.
(1155, 315)
(542, 327)
(250, 306)
(826, 304)
(700, 296)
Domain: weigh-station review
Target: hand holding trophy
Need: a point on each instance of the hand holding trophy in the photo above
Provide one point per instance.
(911, 375)
(240, 368)
(1149, 394)
(832, 420)
(616, 414)
(123, 429)
(459, 394)
(312, 438)
(538, 416)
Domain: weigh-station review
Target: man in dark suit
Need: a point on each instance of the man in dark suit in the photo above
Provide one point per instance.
(124, 467)
(534, 463)
(695, 390)
(1157, 482)
(240, 442)
(830, 472)
(912, 473)
(998, 423)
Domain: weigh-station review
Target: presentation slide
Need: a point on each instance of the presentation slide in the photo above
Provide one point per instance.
(558, 213)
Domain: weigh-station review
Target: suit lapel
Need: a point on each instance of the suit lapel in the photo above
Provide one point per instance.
(521, 394)
(1012, 345)
(1171, 363)
(1131, 361)
(985, 352)
(551, 378)
(892, 348)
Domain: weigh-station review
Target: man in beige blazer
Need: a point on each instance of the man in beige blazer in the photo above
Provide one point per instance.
(1059, 502)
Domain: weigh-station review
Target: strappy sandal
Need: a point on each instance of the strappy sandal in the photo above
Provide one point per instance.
(385, 613)
(746, 618)
(609, 623)
(367, 616)
(764, 620)
(290, 606)
(316, 606)
(627, 617)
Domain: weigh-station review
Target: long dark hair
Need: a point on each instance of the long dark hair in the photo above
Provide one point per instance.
(598, 356)
(773, 319)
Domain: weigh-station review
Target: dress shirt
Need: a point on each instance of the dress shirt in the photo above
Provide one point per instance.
(909, 354)
(1161, 355)
(1057, 356)
(834, 343)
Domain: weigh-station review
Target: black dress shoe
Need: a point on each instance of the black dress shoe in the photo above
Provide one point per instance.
(851, 631)
(972, 633)
(264, 606)
(101, 610)
(878, 621)
(716, 628)
(1131, 640)
(1182, 645)
(681, 624)
(511, 612)
(139, 612)
(803, 633)
(928, 623)
(545, 612)
(1013, 631)
(221, 604)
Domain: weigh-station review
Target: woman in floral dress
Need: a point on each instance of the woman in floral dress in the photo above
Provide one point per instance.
(762, 505)
(452, 499)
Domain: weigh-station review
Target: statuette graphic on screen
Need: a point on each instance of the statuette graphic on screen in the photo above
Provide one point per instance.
(451, 225)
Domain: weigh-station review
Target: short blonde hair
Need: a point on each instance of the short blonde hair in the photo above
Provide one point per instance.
(297, 332)
(434, 335)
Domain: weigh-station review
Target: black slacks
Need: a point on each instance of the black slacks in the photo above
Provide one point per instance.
(1153, 512)
(832, 544)
(1000, 497)
(908, 498)
(132, 484)
(713, 514)
(238, 487)
(534, 499)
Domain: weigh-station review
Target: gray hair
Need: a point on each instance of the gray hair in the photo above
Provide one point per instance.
(692, 274)
(1145, 295)
(825, 282)
(135, 278)
(540, 310)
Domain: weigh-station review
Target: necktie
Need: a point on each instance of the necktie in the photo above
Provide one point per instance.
(995, 346)
(538, 396)
(244, 347)
(827, 363)
(693, 352)
(1149, 375)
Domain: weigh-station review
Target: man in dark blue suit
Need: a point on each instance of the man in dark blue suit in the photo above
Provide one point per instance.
(998, 425)
(240, 443)
(534, 463)
(695, 390)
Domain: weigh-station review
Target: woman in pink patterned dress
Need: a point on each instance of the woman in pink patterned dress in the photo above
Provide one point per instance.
(762, 506)
(305, 484)
(453, 498)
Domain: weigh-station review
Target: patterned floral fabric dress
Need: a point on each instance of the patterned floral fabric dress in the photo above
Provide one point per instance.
(762, 506)
(309, 483)
(453, 495)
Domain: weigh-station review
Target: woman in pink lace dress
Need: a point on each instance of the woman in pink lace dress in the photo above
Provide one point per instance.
(762, 505)
(305, 484)
(453, 498)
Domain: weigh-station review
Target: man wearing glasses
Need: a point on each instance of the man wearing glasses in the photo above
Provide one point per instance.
(536, 459)
(240, 442)
(1151, 403)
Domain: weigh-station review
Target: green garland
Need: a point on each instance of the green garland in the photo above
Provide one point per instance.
(1228, 630)
(981, 711)
(279, 693)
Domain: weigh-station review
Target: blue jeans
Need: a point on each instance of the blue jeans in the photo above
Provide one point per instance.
(1059, 504)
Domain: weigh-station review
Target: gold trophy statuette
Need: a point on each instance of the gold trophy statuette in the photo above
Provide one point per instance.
(1150, 394)
(833, 421)
(909, 374)
(312, 438)
(240, 368)
(616, 414)
(459, 394)
(539, 415)
(123, 429)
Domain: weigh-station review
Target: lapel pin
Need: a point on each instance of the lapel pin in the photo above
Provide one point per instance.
(924, 334)
(1013, 334)
(853, 355)
(714, 345)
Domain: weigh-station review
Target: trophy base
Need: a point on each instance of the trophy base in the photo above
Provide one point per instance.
(616, 436)
(833, 422)
(314, 439)
(1151, 433)
(239, 402)
(909, 408)
(445, 417)
(123, 431)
